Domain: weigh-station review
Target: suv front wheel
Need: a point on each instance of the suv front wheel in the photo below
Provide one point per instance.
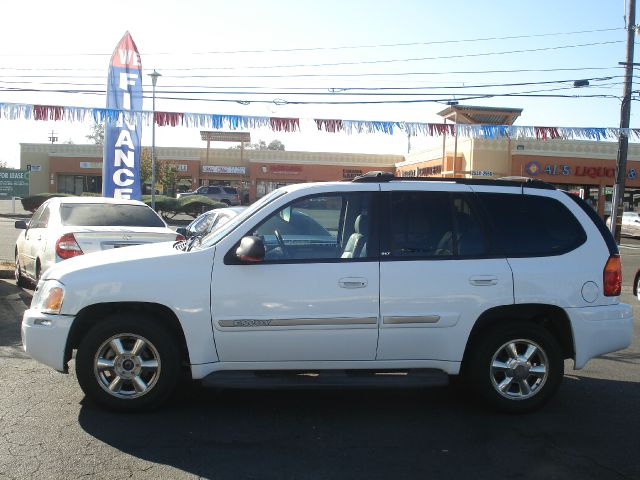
(515, 367)
(128, 363)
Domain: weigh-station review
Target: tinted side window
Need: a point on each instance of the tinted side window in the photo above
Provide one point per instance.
(214, 190)
(421, 224)
(530, 225)
(230, 190)
(470, 237)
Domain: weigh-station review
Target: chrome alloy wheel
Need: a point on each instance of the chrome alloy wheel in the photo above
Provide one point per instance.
(127, 366)
(519, 369)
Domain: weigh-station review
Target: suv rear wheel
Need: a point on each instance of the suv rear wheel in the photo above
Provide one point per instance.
(515, 367)
(128, 363)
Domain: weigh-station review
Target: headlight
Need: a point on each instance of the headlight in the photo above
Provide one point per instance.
(48, 297)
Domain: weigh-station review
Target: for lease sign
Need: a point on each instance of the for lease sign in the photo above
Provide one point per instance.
(14, 183)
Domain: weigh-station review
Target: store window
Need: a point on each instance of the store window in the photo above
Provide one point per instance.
(267, 186)
(78, 184)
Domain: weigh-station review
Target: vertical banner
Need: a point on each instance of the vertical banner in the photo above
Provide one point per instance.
(121, 157)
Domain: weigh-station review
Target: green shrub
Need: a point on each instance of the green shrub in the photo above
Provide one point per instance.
(194, 205)
(33, 202)
(168, 207)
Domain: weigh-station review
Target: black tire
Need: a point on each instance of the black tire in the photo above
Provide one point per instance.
(21, 281)
(131, 383)
(38, 272)
(515, 367)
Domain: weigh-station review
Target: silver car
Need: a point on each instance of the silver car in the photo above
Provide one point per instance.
(219, 193)
(209, 221)
(64, 227)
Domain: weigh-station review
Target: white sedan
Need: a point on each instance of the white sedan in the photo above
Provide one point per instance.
(64, 227)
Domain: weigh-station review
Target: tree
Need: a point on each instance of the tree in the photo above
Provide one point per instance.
(261, 145)
(275, 145)
(165, 171)
(97, 134)
(4, 164)
(145, 166)
(167, 174)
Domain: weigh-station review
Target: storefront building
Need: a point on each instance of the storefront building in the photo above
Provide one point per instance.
(586, 168)
(74, 169)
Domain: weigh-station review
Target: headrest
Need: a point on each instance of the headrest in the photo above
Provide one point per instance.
(362, 224)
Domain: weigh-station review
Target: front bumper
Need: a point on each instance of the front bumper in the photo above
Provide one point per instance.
(600, 330)
(44, 337)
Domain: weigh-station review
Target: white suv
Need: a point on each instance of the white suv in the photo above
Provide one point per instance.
(378, 281)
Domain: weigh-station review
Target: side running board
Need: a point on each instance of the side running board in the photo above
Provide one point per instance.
(299, 379)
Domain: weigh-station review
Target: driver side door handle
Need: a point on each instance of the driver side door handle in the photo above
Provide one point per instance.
(352, 282)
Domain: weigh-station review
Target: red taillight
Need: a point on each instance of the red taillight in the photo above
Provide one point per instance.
(67, 247)
(612, 276)
(179, 238)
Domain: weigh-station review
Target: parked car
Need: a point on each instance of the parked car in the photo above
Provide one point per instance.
(380, 281)
(220, 193)
(65, 227)
(209, 221)
(630, 225)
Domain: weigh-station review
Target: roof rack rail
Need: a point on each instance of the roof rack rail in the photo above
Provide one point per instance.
(374, 176)
(524, 182)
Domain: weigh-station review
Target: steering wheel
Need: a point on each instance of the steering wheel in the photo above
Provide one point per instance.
(285, 251)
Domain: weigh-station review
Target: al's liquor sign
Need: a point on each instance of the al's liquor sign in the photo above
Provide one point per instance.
(535, 168)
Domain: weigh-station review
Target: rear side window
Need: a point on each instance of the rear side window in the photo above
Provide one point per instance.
(109, 215)
(435, 224)
(230, 190)
(530, 225)
(214, 190)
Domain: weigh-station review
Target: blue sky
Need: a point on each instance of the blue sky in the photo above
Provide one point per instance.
(180, 39)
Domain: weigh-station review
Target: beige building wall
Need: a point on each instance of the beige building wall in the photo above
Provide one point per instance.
(48, 162)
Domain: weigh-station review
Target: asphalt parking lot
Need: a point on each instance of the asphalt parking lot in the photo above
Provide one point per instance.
(588, 431)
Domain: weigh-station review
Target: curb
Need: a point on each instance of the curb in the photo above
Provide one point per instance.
(6, 273)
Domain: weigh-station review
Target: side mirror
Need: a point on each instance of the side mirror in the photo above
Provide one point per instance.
(21, 224)
(251, 250)
(182, 231)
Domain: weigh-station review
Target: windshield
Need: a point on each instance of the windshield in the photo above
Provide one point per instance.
(219, 233)
(109, 215)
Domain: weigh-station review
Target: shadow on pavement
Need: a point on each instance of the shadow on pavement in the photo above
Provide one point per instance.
(13, 302)
(582, 433)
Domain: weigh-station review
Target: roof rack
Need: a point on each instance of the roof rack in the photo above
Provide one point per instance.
(385, 177)
(374, 176)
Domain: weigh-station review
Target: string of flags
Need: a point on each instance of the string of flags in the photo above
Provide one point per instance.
(19, 111)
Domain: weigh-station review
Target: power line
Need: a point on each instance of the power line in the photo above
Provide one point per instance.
(338, 89)
(402, 60)
(310, 49)
(340, 64)
(343, 75)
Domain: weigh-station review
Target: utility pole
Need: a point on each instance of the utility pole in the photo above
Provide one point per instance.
(625, 114)
(52, 137)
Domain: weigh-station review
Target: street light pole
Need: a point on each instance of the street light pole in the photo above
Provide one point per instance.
(625, 115)
(154, 79)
